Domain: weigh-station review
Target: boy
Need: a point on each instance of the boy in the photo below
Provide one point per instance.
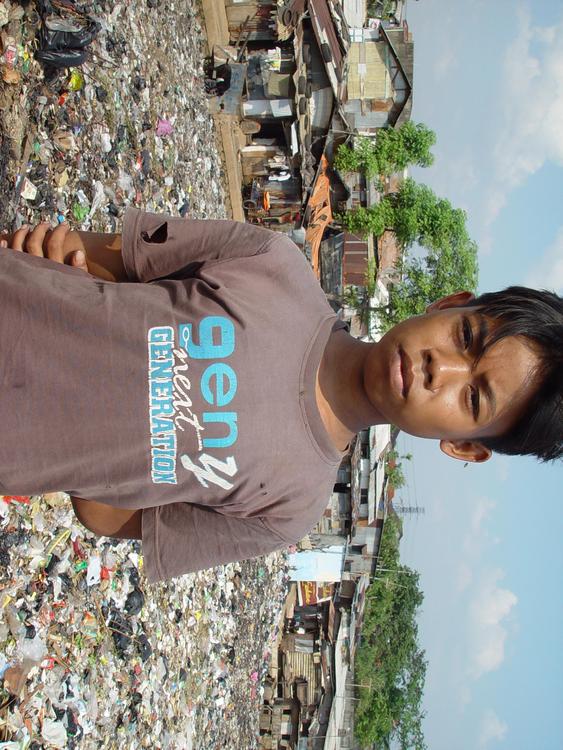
(205, 405)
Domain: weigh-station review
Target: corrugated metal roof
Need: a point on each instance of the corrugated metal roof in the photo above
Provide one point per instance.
(302, 665)
(326, 33)
(402, 45)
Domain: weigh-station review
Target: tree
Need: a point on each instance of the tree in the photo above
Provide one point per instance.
(418, 216)
(394, 468)
(415, 214)
(389, 658)
(381, 8)
(426, 279)
(392, 150)
(373, 220)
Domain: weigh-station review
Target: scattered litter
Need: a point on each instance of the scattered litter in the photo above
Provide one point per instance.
(133, 117)
(29, 190)
(111, 656)
(164, 127)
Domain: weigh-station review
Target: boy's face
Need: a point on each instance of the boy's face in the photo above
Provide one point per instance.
(424, 377)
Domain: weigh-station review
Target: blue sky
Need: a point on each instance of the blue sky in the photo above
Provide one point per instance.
(489, 80)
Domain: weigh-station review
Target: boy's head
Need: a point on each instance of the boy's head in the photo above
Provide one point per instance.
(537, 317)
(480, 374)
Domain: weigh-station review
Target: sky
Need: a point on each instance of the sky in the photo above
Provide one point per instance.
(488, 79)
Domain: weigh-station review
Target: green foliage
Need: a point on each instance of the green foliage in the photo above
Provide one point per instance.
(365, 221)
(389, 657)
(426, 279)
(450, 263)
(358, 298)
(394, 468)
(383, 9)
(392, 150)
(408, 145)
(419, 217)
(346, 159)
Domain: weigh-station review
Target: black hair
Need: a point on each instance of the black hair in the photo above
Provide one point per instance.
(538, 317)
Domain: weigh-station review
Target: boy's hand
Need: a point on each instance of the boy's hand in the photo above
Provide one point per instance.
(45, 242)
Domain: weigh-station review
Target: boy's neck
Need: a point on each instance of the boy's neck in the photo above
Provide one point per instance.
(341, 398)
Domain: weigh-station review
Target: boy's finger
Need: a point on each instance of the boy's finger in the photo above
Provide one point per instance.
(94, 269)
(54, 246)
(18, 238)
(35, 239)
(78, 260)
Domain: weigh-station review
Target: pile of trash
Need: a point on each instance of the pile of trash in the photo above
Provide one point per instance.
(91, 656)
(128, 126)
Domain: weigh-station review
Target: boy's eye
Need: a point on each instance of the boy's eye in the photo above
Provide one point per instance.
(467, 334)
(474, 401)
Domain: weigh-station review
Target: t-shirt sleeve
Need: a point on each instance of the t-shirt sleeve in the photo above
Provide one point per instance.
(157, 246)
(181, 538)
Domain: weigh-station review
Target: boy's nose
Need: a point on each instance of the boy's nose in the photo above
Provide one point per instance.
(439, 367)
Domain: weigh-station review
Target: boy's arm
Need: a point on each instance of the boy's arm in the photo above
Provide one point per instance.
(182, 538)
(106, 520)
(151, 246)
(98, 254)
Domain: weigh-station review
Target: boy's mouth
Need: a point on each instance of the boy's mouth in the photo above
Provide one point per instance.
(406, 371)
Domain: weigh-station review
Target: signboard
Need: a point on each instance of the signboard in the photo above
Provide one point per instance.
(310, 592)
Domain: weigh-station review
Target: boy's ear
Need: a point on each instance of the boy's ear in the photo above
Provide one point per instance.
(466, 450)
(457, 299)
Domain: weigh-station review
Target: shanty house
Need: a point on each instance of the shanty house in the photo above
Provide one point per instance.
(378, 92)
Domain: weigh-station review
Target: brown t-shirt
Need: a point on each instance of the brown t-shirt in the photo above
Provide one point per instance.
(190, 395)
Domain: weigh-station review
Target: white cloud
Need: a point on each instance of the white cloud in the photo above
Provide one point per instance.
(532, 109)
(464, 576)
(495, 201)
(476, 534)
(548, 272)
(474, 541)
(503, 464)
(488, 632)
(446, 57)
(481, 512)
(492, 729)
(446, 61)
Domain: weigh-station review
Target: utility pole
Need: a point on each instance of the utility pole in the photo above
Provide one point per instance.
(409, 510)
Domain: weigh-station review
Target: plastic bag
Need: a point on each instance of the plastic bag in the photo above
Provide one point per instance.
(64, 35)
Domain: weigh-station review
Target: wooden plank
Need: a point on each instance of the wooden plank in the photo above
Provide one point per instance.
(226, 128)
(216, 24)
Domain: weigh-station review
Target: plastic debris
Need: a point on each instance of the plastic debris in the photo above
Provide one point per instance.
(29, 190)
(110, 654)
(4, 14)
(64, 35)
(94, 570)
(64, 140)
(80, 212)
(54, 733)
(76, 81)
(164, 127)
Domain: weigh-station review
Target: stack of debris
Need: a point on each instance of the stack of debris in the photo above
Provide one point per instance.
(89, 652)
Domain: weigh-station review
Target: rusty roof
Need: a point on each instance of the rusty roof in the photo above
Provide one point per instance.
(327, 33)
(402, 46)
